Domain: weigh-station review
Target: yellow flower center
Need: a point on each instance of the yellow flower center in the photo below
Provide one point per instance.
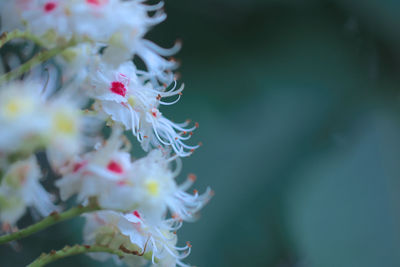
(15, 107)
(153, 188)
(65, 124)
(131, 101)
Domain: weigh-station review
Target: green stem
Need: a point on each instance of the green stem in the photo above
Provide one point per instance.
(39, 58)
(74, 250)
(52, 219)
(16, 34)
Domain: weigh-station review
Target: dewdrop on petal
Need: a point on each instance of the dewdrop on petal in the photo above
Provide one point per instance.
(20, 188)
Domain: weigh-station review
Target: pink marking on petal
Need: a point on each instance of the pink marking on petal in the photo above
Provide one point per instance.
(115, 167)
(118, 88)
(97, 2)
(50, 6)
(78, 166)
(136, 213)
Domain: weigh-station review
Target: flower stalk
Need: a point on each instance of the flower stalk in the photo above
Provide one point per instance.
(68, 251)
(36, 60)
(52, 219)
(18, 34)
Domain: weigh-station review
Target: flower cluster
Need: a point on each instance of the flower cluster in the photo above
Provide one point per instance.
(61, 109)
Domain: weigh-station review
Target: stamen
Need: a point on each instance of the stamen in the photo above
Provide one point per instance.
(192, 177)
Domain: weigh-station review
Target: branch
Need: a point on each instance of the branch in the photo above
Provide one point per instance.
(8, 36)
(39, 58)
(71, 251)
(52, 219)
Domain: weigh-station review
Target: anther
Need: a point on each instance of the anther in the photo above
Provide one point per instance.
(192, 177)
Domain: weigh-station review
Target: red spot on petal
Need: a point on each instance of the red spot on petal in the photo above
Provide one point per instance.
(118, 88)
(115, 167)
(195, 191)
(97, 2)
(50, 6)
(188, 244)
(93, 2)
(136, 213)
(78, 166)
(196, 125)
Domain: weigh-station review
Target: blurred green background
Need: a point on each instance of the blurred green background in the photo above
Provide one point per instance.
(299, 111)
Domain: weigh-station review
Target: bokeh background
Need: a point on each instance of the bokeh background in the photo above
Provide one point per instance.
(299, 111)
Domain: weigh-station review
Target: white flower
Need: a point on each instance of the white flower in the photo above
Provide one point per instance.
(20, 188)
(147, 184)
(133, 101)
(64, 134)
(102, 174)
(158, 191)
(130, 233)
(119, 25)
(30, 122)
(75, 62)
(22, 117)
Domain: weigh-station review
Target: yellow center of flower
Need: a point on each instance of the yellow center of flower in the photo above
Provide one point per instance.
(131, 101)
(15, 107)
(153, 188)
(65, 123)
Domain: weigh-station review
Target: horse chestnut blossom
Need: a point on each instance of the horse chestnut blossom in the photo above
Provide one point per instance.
(31, 122)
(118, 25)
(131, 233)
(20, 188)
(133, 101)
(147, 184)
(56, 110)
